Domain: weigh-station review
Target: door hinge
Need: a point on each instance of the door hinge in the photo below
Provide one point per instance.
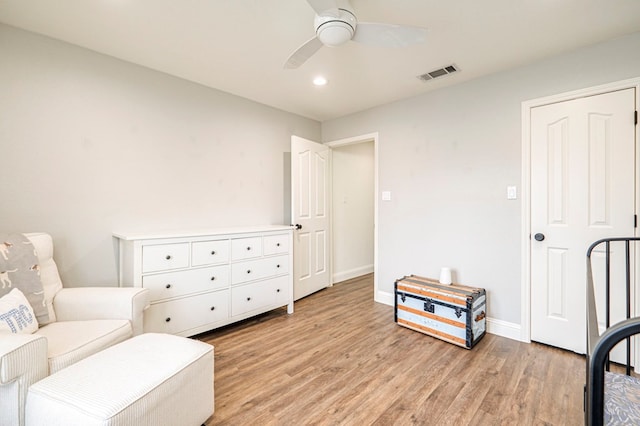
(635, 220)
(635, 117)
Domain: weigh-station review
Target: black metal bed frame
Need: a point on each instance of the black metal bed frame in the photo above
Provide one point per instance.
(599, 345)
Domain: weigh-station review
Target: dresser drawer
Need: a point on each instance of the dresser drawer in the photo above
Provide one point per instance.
(275, 244)
(176, 316)
(163, 257)
(281, 288)
(180, 283)
(209, 252)
(246, 248)
(258, 269)
(249, 297)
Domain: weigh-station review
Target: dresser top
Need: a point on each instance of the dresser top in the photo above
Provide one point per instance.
(178, 233)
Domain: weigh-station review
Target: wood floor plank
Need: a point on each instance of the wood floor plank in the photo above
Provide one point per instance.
(341, 360)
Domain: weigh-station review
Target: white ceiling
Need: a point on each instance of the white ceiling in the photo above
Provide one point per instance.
(240, 46)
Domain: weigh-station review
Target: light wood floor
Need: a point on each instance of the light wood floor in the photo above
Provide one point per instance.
(341, 359)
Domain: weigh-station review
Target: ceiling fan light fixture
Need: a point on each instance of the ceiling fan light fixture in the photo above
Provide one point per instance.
(334, 33)
(335, 30)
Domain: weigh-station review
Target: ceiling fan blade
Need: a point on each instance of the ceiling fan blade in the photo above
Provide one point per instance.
(324, 7)
(303, 53)
(389, 35)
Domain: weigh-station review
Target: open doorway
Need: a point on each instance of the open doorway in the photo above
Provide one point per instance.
(354, 207)
(353, 210)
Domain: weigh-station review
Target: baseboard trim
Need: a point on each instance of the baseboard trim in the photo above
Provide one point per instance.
(384, 298)
(352, 273)
(502, 328)
(498, 327)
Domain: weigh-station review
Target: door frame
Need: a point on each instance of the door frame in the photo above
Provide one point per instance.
(369, 137)
(525, 236)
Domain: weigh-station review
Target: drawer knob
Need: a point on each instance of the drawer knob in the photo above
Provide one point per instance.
(213, 308)
(277, 266)
(248, 248)
(248, 271)
(167, 286)
(277, 244)
(168, 319)
(248, 299)
(213, 252)
(168, 257)
(278, 290)
(213, 278)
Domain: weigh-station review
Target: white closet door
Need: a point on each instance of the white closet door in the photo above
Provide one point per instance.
(582, 190)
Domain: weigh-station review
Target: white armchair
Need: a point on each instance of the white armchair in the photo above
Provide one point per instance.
(83, 321)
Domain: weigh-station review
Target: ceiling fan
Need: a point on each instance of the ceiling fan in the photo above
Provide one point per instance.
(336, 23)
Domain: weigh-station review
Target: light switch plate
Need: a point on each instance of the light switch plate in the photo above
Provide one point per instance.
(512, 193)
(386, 195)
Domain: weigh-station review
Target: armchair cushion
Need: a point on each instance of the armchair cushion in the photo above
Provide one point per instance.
(90, 319)
(71, 341)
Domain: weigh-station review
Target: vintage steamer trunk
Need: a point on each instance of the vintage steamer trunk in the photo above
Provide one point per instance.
(454, 313)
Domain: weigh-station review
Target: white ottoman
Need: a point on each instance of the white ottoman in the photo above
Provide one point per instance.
(151, 379)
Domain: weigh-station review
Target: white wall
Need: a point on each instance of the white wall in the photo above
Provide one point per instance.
(90, 144)
(447, 157)
(353, 210)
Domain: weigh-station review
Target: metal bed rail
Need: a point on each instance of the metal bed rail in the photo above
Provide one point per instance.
(599, 345)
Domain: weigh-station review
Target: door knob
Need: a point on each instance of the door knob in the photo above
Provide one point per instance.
(298, 226)
(539, 237)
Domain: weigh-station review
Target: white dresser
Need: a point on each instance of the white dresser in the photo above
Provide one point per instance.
(201, 280)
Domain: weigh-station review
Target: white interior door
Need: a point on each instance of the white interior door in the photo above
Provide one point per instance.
(310, 209)
(582, 190)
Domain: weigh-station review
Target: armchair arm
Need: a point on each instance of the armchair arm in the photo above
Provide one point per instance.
(19, 352)
(23, 361)
(92, 303)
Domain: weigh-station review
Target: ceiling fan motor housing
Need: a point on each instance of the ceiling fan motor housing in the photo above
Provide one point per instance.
(333, 31)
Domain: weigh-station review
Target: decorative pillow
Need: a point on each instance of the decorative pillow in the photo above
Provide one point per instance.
(621, 399)
(49, 275)
(19, 268)
(16, 315)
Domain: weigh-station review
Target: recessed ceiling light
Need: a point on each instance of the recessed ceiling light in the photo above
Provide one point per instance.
(319, 81)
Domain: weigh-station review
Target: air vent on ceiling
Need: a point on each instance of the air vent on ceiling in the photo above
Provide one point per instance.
(440, 72)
